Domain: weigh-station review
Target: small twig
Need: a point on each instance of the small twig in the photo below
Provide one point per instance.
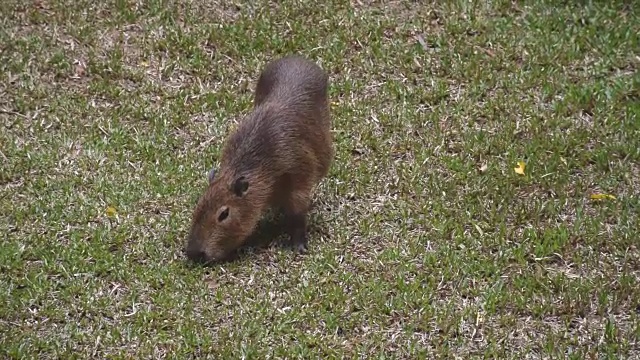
(11, 112)
(422, 42)
(97, 345)
(206, 143)
(133, 310)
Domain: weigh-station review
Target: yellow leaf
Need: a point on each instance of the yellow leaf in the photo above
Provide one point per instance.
(602, 196)
(520, 168)
(111, 211)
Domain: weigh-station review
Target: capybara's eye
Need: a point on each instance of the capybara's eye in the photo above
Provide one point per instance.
(223, 215)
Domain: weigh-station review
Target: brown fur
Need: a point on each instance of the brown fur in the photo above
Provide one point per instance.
(274, 158)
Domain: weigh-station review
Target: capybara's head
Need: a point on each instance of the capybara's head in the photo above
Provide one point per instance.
(224, 217)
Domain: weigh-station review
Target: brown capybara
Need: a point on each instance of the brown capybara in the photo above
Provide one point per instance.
(274, 159)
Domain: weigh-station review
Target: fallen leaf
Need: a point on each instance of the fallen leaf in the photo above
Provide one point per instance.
(520, 168)
(479, 230)
(602, 196)
(213, 284)
(423, 43)
(111, 211)
(79, 70)
(479, 318)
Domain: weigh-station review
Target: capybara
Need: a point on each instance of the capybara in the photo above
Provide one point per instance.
(273, 159)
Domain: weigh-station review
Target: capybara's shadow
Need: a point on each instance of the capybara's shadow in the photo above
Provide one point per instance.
(271, 230)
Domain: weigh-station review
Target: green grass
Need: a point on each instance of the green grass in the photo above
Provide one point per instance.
(424, 242)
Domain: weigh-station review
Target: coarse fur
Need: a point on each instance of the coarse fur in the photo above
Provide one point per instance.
(274, 159)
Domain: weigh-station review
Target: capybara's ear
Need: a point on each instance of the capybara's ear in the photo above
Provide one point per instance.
(240, 186)
(212, 175)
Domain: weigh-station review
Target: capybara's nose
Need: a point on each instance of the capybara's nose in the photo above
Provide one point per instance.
(196, 255)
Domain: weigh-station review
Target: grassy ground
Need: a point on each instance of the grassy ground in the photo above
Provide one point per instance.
(424, 242)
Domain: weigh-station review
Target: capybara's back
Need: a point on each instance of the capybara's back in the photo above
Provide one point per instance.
(298, 87)
(274, 158)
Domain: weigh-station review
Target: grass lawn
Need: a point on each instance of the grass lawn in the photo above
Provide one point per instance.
(425, 242)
